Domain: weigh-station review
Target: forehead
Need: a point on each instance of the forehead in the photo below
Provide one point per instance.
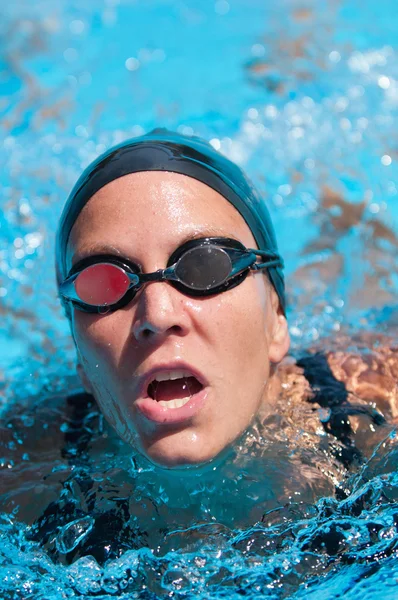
(154, 208)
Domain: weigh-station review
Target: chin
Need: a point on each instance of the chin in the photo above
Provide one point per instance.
(170, 456)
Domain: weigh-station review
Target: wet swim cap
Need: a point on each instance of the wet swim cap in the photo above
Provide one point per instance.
(162, 150)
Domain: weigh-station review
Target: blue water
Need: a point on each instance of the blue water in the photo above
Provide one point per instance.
(304, 95)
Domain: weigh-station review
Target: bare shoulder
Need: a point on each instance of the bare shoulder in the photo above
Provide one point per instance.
(358, 371)
(370, 371)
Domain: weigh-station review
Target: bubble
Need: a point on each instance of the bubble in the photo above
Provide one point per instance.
(144, 55)
(137, 130)
(71, 54)
(374, 208)
(185, 130)
(81, 131)
(109, 17)
(34, 239)
(341, 104)
(222, 7)
(85, 78)
(57, 148)
(27, 420)
(338, 302)
(132, 64)
(334, 56)
(386, 160)
(285, 189)
(324, 414)
(76, 26)
(24, 209)
(362, 123)
(258, 50)
(309, 163)
(159, 55)
(271, 111)
(71, 79)
(384, 82)
(296, 133)
(345, 124)
(295, 331)
(215, 142)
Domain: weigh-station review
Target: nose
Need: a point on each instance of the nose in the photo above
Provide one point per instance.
(160, 312)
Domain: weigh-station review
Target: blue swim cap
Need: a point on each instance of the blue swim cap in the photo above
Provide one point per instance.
(162, 150)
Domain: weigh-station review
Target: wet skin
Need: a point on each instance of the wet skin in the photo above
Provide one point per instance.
(230, 340)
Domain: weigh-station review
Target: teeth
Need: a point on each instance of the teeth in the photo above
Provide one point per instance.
(167, 375)
(174, 403)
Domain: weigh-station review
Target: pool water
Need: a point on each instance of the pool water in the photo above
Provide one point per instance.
(304, 96)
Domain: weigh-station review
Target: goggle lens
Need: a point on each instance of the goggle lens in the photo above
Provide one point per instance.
(101, 284)
(197, 268)
(203, 268)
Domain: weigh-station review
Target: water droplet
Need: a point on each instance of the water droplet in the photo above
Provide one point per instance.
(73, 533)
(103, 310)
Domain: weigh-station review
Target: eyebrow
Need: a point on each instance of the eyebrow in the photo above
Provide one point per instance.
(95, 250)
(100, 248)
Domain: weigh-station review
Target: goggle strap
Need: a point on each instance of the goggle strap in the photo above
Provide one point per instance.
(269, 263)
(264, 253)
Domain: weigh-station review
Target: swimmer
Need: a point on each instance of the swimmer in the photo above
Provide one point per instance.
(171, 278)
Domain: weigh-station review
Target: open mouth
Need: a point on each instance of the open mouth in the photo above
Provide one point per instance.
(173, 389)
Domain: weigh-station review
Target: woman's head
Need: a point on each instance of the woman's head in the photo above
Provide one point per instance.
(179, 376)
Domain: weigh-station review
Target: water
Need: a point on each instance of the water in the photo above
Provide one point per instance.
(304, 96)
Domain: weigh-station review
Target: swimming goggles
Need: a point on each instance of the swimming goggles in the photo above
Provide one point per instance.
(201, 267)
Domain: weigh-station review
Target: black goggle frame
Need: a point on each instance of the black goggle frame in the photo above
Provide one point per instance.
(242, 261)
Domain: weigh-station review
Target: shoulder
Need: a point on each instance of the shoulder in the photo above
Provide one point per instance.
(353, 369)
(367, 366)
(349, 390)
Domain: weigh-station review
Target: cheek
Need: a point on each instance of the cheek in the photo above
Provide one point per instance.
(241, 324)
(99, 339)
(253, 310)
(100, 343)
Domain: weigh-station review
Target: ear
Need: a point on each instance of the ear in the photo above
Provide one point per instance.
(280, 339)
(84, 379)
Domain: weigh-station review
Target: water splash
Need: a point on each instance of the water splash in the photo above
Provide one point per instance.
(309, 110)
(70, 536)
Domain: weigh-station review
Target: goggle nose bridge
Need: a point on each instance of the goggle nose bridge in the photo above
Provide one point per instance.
(159, 275)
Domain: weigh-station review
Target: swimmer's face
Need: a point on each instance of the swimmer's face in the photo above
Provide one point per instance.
(220, 348)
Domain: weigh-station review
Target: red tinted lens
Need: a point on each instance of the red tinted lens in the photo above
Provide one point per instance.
(101, 284)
